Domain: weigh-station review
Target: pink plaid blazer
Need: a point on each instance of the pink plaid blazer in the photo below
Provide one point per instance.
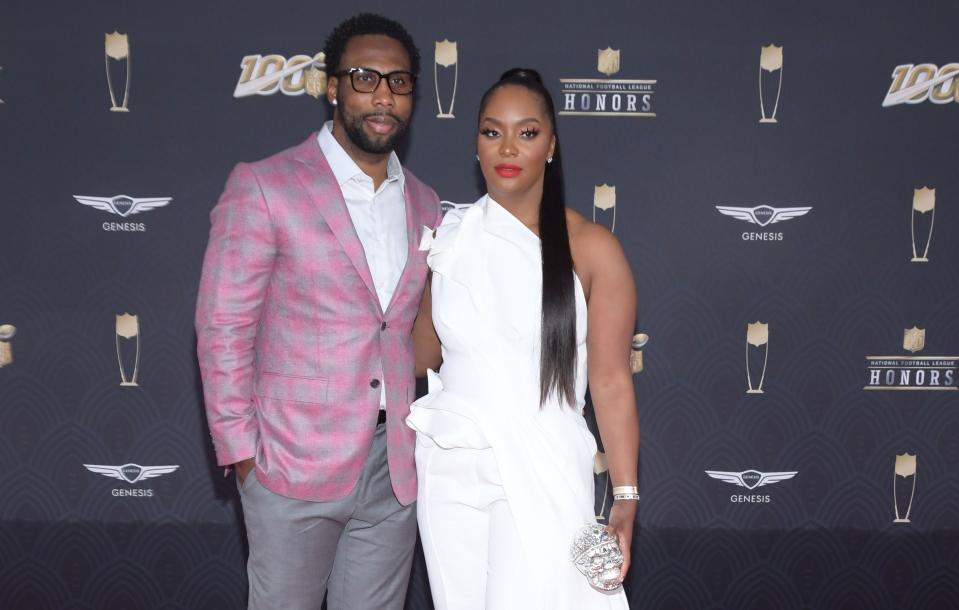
(292, 342)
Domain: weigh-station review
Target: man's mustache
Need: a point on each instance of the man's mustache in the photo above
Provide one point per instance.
(388, 115)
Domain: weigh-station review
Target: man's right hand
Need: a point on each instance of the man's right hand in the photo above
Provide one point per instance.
(243, 469)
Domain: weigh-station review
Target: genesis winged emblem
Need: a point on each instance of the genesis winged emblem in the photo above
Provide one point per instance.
(131, 473)
(751, 479)
(763, 215)
(123, 205)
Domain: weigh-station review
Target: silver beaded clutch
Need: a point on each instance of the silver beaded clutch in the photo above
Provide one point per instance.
(596, 555)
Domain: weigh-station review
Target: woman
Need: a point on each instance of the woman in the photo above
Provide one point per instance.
(503, 454)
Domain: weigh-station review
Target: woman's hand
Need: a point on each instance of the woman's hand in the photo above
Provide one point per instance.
(622, 516)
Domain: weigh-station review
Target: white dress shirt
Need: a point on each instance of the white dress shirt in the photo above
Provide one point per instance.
(379, 217)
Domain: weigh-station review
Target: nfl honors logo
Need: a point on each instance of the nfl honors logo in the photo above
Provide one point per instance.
(912, 372)
(607, 96)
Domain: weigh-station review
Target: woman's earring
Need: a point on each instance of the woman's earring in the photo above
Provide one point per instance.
(477, 156)
(549, 159)
(333, 101)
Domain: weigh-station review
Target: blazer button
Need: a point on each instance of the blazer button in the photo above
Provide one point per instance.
(383, 326)
(375, 383)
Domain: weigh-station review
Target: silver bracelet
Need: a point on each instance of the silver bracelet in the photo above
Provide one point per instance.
(626, 496)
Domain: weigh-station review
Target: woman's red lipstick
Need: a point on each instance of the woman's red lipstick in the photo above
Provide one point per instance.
(508, 170)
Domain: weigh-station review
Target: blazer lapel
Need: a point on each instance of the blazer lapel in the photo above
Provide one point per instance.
(413, 229)
(317, 178)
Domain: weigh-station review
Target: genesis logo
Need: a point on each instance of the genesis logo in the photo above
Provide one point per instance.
(123, 206)
(131, 473)
(751, 479)
(763, 215)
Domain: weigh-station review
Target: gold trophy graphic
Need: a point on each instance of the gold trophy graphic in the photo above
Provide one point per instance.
(7, 331)
(636, 352)
(128, 327)
(914, 339)
(757, 335)
(607, 61)
(905, 467)
(117, 46)
(770, 60)
(445, 55)
(604, 198)
(923, 201)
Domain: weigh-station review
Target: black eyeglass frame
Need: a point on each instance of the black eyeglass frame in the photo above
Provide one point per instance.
(380, 76)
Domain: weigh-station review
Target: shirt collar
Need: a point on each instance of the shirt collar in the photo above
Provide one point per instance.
(344, 167)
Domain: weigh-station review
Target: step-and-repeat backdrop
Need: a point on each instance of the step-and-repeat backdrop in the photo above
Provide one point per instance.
(782, 177)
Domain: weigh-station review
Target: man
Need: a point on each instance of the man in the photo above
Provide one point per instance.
(310, 284)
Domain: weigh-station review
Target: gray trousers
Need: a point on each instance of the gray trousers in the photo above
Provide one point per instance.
(358, 549)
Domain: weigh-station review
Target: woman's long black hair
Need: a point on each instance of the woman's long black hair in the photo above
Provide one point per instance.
(558, 334)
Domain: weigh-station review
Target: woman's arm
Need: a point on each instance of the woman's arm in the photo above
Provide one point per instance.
(611, 321)
(426, 345)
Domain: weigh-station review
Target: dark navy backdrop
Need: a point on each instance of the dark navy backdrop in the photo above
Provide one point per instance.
(834, 285)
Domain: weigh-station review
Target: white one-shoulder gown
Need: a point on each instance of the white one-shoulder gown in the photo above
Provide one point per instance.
(504, 483)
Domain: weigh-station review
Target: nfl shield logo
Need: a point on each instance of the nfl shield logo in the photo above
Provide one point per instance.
(924, 199)
(914, 339)
(608, 61)
(757, 333)
(771, 58)
(604, 196)
(314, 82)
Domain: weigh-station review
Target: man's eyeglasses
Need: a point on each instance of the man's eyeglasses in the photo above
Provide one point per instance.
(366, 80)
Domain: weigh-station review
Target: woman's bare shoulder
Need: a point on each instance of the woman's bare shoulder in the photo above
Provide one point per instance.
(587, 239)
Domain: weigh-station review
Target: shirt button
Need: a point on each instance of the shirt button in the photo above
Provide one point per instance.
(375, 383)
(383, 326)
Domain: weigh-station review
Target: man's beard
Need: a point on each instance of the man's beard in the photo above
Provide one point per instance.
(360, 139)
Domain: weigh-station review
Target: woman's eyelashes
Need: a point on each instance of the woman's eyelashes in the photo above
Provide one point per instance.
(528, 133)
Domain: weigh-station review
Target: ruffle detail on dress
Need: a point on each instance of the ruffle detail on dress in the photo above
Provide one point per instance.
(448, 421)
(457, 226)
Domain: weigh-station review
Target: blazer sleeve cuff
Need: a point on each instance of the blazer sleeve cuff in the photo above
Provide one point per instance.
(233, 449)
